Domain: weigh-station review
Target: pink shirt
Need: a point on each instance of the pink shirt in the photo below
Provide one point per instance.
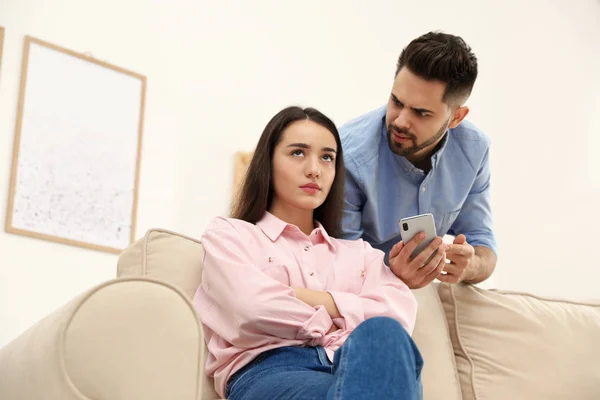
(246, 303)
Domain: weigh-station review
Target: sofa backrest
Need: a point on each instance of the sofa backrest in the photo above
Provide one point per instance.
(167, 256)
(511, 345)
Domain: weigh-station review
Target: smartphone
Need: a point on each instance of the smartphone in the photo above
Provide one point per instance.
(410, 226)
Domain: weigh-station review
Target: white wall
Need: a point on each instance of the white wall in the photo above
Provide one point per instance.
(217, 73)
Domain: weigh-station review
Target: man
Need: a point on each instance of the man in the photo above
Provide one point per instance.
(418, 155)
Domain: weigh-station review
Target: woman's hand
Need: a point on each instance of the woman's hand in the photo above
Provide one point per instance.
(333, 328)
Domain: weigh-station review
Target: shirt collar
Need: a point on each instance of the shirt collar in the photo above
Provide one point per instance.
(435, 158)
(273, 227)
(321, 231)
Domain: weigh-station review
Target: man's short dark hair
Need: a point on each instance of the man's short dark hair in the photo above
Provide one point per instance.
(442, 57)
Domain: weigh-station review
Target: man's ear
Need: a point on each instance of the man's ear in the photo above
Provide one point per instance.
(457, 116)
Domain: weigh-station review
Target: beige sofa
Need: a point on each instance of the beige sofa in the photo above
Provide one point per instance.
(138, 337)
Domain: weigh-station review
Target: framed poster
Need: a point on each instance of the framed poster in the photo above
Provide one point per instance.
(77, 149)
(1, 45)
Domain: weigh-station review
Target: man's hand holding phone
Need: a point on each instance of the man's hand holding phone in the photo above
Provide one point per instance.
(421, 270)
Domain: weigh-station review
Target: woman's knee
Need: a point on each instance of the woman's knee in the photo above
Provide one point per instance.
(387, 332)
(384, 338)
(382, 325)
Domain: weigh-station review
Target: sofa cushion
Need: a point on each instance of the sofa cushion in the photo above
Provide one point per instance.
(512, 345)
(439, 376)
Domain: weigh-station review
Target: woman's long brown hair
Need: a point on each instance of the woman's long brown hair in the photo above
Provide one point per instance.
(256, 193)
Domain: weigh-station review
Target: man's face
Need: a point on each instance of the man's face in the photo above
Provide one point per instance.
(417, 117)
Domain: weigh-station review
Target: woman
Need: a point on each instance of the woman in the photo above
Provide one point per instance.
(289, 311)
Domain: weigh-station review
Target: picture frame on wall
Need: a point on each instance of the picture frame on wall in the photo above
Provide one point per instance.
(1, 48)
(77, 149)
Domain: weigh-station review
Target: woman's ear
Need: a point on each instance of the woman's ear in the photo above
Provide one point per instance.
(457, 116)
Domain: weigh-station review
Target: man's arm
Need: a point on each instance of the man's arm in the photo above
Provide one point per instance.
(482, 265)
(473, 253)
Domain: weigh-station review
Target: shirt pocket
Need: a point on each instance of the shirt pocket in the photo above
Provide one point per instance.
(354, 282)
(275, 269)
(447, 221)
(350, 278)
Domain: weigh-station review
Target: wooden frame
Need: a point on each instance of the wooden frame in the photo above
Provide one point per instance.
(29, 41)
(1, 46)
(241, 163)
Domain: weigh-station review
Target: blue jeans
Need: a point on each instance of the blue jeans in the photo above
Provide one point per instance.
(379, 360)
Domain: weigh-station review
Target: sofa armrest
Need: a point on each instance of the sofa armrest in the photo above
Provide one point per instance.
(133, 338)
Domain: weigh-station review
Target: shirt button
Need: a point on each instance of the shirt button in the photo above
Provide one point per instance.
(312, 273)
(306, 248)
(406, 169)
(423, 189)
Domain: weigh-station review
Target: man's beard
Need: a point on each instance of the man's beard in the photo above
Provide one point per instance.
(402, 150)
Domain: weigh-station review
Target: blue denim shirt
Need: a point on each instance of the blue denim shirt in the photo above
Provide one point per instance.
(382, 187)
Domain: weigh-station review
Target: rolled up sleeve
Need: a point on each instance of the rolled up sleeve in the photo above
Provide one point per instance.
(475, 217)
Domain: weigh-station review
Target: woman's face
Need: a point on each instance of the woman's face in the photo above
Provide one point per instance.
(303, 166)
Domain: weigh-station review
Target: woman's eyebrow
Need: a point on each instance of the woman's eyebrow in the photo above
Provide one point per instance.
(301, 145)
(306, 146)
